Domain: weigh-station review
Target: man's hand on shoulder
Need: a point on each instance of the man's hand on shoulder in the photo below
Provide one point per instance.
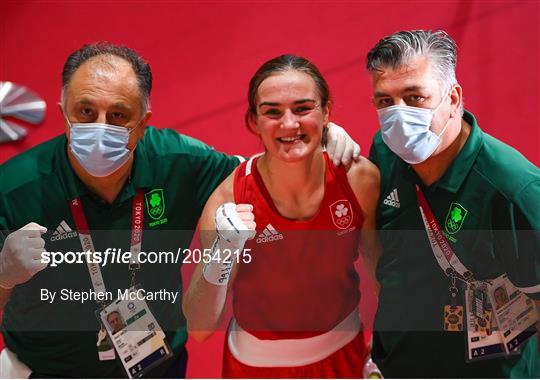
(340, 146)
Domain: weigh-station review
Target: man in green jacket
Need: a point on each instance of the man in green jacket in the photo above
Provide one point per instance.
(478, 199)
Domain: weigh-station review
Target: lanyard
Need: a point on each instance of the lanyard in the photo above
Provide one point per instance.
(137, 218)
(443, 252)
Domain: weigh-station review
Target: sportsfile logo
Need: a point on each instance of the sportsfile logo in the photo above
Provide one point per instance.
(269, 234)
(392, 199)
(63, 231)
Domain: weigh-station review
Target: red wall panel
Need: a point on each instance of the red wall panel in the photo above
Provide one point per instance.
(203, 54)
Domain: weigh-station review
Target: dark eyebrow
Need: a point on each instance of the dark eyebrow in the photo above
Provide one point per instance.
(379, 94)
(407, 89)
(273, 104)
(413, 88)
(85, 101)
(270, 104)
(304, 101)
(118, 105)
(121, 106)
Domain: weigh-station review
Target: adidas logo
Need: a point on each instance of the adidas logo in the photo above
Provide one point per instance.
(392, 199)
(63, 231)
(269, 234)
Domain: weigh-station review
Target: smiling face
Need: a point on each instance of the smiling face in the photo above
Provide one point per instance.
(289, 117)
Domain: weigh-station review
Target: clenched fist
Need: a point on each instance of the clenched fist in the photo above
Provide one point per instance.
(20, 258)
(235, 223)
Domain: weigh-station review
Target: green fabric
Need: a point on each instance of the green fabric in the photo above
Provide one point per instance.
(487, 204)
(35, 186)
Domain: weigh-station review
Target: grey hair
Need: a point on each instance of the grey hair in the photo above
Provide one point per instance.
(399, 48)
(86, 52)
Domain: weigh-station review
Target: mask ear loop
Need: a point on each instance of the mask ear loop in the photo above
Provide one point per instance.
(447, 121)
(444, 129)
(135, 127)
(65, 117)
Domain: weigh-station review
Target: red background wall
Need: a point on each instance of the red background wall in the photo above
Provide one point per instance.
(203, 54)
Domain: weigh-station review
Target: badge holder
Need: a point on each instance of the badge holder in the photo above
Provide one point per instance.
(135, 334)
(484, 340)
(516, 314)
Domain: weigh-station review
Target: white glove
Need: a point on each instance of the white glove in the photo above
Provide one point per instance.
(235, 224)
(340, 146)
(20, 258)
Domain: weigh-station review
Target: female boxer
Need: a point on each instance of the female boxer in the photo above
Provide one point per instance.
(281, 236)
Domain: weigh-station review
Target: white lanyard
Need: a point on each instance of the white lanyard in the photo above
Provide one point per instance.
(137, 218)
(444, 254)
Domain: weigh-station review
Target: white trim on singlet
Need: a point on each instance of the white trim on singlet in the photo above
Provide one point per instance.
(250, 163)
(255, 352)
(240, 158)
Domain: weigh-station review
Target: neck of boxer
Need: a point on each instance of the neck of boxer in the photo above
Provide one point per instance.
(107, 188)
(297, 188)
(432, 169)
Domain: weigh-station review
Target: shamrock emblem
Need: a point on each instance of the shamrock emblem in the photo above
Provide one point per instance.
(455, 214)
(341, 210)
(155, 200)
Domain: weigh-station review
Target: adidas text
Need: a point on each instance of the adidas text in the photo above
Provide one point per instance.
(268, 239)
(65, 235)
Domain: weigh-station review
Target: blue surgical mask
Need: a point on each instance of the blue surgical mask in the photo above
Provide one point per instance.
(406, 131)
(101, 149)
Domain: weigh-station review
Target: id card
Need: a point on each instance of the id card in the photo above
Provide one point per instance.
(515, 313)
(135, 333)
(483, 337)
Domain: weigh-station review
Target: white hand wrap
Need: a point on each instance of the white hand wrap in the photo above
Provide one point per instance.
(232, 234)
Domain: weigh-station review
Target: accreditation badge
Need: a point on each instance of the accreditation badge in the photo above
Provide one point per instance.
(484, 340)
(135, 333)
(515, 313)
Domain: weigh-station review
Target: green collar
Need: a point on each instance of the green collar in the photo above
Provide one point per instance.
(459, 169)
(142, 174)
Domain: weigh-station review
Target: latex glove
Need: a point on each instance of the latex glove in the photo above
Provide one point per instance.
(235, 224)
(340, 146)
(20, 258)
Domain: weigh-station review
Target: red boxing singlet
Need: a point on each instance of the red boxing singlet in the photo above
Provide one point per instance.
(301, 281)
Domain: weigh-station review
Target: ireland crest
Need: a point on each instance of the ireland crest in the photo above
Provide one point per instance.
(155, 203)
(454, 219)
(342, 213)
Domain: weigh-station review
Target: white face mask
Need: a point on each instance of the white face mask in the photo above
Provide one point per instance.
(101, 149)
(406, 131)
